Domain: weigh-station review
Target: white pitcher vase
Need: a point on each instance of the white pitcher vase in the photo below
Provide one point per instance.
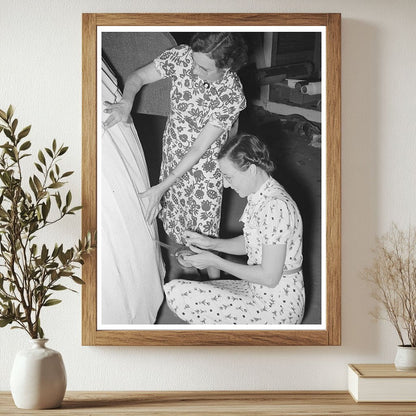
(38, 377)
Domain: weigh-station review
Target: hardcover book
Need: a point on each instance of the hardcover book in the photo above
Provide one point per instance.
(381, 383)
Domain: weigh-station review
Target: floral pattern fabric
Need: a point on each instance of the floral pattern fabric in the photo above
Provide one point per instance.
(237, 302)
(270, 217)
(194, 201)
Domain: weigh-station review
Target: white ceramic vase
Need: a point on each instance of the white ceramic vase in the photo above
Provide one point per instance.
(405, 358)
(38, 377)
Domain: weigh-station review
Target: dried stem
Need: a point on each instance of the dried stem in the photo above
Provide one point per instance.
(393, 276)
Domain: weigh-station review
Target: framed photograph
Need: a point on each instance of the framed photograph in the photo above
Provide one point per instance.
(153, 86)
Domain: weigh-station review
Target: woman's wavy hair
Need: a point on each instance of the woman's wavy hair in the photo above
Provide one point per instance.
(246, 149)
(227, 49)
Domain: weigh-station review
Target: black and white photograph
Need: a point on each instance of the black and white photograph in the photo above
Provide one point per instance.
(211, 181)
(210, 178)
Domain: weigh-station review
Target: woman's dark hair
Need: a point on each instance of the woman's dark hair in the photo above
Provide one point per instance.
(245, 149)
(227, 49)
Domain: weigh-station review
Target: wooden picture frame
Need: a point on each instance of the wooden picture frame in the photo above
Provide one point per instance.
(330, 332)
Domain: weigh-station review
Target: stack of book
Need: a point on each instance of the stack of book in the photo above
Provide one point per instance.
(381, 383)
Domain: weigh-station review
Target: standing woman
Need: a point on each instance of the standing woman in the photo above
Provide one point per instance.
(271, 289)
(206, 99)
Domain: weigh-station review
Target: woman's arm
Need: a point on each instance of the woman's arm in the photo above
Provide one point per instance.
(234, 245)
(120, 111)
(206, 137)
(268, 273)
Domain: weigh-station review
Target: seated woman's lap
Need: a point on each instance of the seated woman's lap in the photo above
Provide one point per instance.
(231, 302)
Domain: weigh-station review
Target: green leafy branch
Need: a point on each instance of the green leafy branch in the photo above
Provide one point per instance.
(30, 273)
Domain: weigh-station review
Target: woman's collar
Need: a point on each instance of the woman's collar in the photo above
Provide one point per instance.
(258, 195)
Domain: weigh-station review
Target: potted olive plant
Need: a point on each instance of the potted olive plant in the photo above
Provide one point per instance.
(393, 277)
(31, 273)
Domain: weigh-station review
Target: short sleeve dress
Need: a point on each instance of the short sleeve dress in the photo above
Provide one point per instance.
(194, 201)
(270, 217)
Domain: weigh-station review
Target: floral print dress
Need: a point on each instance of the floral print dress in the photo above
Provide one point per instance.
(270, 217)
(194, 201)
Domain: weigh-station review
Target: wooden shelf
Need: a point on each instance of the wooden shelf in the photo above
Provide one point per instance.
(179, 403)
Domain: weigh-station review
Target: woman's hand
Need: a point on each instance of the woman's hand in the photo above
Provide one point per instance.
(202, 259)
(153, 195)
(119, 111)
(195, 239)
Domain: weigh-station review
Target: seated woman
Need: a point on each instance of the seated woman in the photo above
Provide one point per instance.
(270, 289)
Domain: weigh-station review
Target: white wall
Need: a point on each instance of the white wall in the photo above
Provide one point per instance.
(40, 74)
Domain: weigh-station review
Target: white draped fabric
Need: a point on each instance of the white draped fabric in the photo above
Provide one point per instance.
(130, 263)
